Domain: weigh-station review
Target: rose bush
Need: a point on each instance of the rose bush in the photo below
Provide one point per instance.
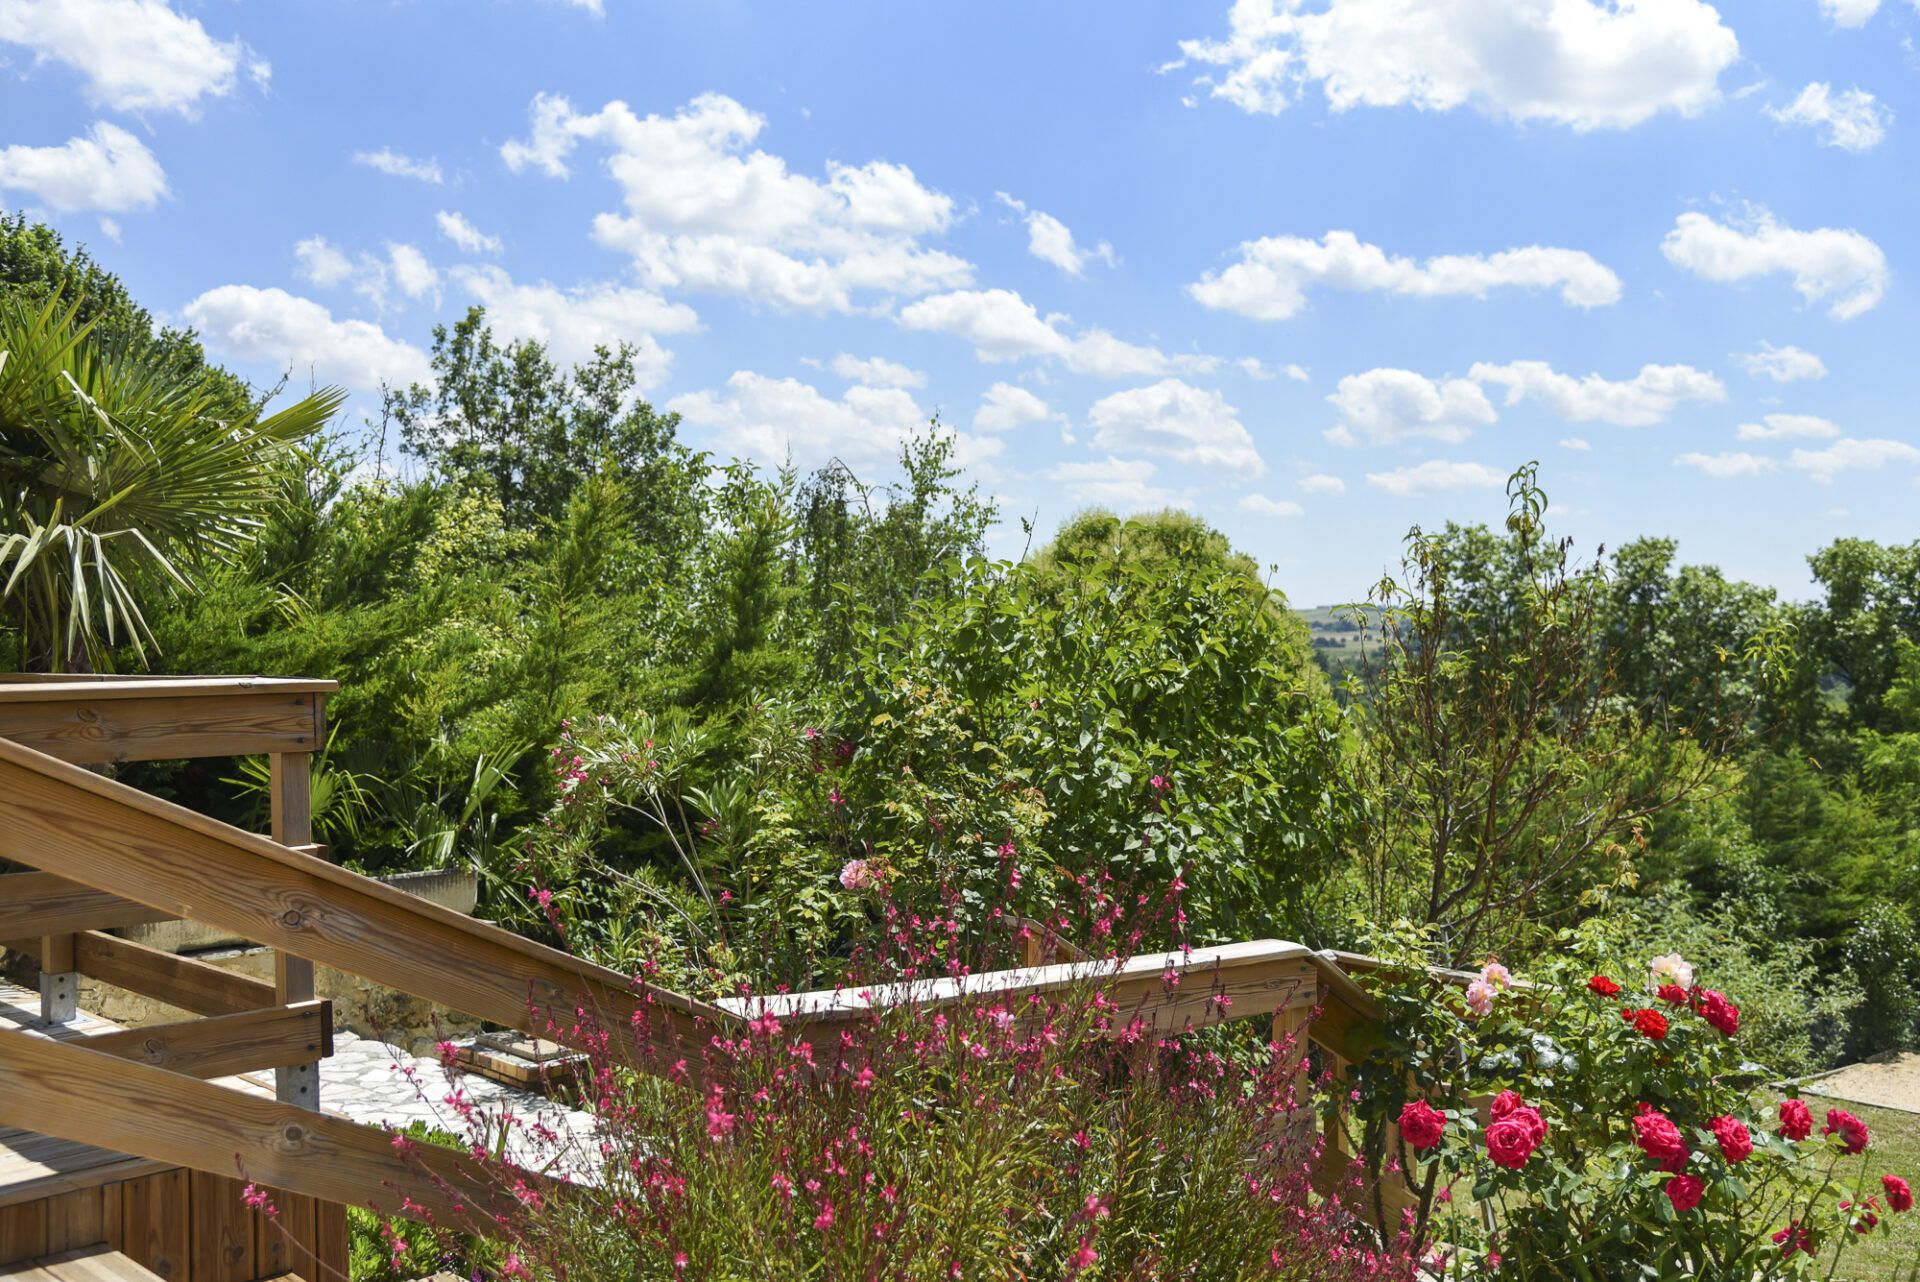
(1596, 1125)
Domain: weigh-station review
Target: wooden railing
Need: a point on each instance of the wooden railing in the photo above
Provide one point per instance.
(101, 854)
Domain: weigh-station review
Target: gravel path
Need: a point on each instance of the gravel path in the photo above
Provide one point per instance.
(1891, 1080)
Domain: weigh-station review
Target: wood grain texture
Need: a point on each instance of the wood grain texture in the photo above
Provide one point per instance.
(103, 834)
(23, 1232)
(87, 728)
(178, 981)
(169, 1118)
(222, 1045)
(39, 903)
(283, 1242)
(154, 1224)
(75, 1220)
(220, 1236)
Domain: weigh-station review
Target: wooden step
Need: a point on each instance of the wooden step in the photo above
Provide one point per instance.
(95, 1264)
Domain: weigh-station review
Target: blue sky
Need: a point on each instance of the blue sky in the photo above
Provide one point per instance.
(1317, 269)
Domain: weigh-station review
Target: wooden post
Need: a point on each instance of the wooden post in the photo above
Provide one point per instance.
(59, 980)
(291, 786)
(1292, 1021)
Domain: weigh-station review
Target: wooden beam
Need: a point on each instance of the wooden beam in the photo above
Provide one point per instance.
(85, 724)
(166, 977)
(149, 1112)
(39, 903)
(290, 805)
(223, 1045)
(105, 834)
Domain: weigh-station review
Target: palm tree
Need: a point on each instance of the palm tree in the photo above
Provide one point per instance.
(118, 479)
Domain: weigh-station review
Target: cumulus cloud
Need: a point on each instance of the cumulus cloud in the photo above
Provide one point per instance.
(772, 419)
(1728, 464)
(1641, 401)
(1578, 444)
(1852, 455)
(319, 261)
(1782, 364)
(401, 165)
(1850, 13)
(1323, 483)
(1189, 424)
(1003, 326)
(134, 55)
(1852, 119)
(415, 276)
(455, 227)
(1588, 64)
(1387, 405)
(1004, 407)
(108, 170)
(1781, 427)
(876, 371)
(1051, 241)
(1435, 475)
(572, 322)
(1126, 485)
(274, 327)
(1273, 276)
(706, 210)
(1270, 507)
(1827, 263)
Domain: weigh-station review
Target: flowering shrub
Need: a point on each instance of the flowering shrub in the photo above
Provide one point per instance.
(1599, 1126)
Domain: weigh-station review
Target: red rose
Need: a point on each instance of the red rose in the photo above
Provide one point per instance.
(1649, 1023)
(1736, 1142)
(1685, 1191)
(1512, 1138)
(1672, 994)
(1420, 1125)
(1660, 1139)
(1503, 1103)
(1899, 1195)
(1602, 985)
(1796, 1123)
(1721, 1013)
(1794, 1238)
(1852, 1131)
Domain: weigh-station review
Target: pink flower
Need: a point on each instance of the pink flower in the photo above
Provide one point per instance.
(1480, 998)
(1721, 1013)
(1851, 1130)
(1421, 1125)
(824, 1220)
(1685, 1191)
(856, 875)
(1497, 976)
(1736, 1142)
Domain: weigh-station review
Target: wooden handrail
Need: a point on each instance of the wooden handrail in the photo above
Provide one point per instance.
(103, 834)
(178, 981)
(135, 1108)
(34, 904)
(222, 1045)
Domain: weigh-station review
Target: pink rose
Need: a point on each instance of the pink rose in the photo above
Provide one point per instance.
(1421, 1125)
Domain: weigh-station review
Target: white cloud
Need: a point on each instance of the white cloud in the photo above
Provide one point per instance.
(1003, 326)
(1190, 424)
(1850, 13)
(1828, 263)
(572, 322)
(1582, 63)
(770, 419)
(455, 227)
(1004, 407)
(412, 272)
(1781, 427)
(1387, 405)
(1271, 507)
(1125, 485)
(1273, 276)
(1323, 483)
(274, 327)
(1435, 475)
(1782, 364)
(1854, 119)
(1578, 444)
(704, 210)
(876, 371)
(1728, 464)
(108, 170)
(1051, 241)
(401, 165)
(323, 263)
(136, 55)
(1849, 454)
(1255, 369)
(1641, 401)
